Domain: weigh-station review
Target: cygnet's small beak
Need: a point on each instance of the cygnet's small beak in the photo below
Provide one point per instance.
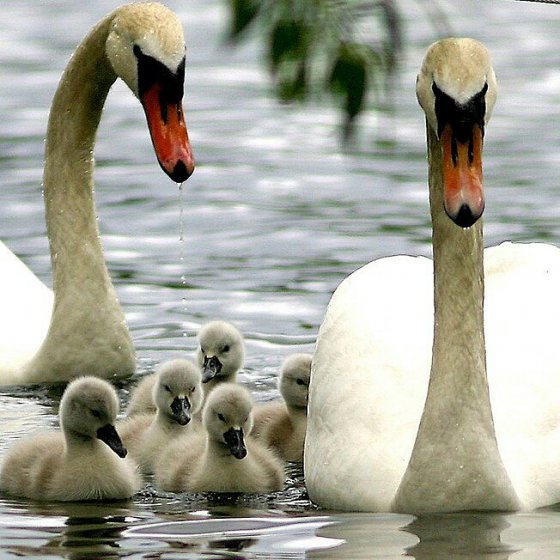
(108, 434)
(180, 409)
(210, 368)
(236, 445)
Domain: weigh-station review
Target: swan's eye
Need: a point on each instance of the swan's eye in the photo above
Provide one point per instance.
(202, 351)
(96, 413)
(167, 388)
(221, 417)
(226, 348)
(193, 389)
(300, 381)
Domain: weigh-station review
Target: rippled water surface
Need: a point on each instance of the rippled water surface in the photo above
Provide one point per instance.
(276, 214)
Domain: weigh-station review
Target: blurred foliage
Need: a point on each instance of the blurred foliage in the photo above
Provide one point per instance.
(347, 48)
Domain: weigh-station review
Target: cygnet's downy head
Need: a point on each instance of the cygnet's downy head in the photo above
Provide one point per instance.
(220, 351)
(88, 409)
(177, 392)
(227, 417)
(294, 379)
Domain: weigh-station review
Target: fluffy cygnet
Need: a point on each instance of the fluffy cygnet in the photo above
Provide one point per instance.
(141, 400)
(177, 394)
(222, 459)
(282, 425)
(220, 353)
(84, 461)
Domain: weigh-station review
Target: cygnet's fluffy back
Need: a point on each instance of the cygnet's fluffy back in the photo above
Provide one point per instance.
(282, 425)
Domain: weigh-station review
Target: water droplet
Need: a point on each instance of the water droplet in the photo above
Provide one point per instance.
(183, 277)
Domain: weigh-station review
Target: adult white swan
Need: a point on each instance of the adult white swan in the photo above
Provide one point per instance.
(378, 439)
(82, 330)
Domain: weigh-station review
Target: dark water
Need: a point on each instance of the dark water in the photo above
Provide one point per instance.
(277, 213)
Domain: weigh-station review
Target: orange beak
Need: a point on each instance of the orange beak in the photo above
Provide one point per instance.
(169, 134)
(463, 196)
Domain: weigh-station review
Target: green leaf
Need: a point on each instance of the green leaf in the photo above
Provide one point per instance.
(292, 86)
(242, 12)
(287, 42)
(349, 79)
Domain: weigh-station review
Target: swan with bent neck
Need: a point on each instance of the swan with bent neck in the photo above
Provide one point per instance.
(82, 329)
(402, 414)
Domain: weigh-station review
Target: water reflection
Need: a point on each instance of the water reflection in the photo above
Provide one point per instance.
(67, 530)
(465, 535)
(278, 537)
(428, 537)
(365, 536)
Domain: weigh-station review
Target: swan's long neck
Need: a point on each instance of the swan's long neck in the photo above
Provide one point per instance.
(86, 311)
(455, 463)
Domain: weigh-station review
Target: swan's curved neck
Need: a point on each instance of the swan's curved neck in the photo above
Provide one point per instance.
(455, 463)
(68, 175)
(86, 313)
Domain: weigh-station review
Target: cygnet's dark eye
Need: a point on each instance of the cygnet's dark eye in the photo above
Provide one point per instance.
(96, 413)
(221, 417)
(300, 381)
(193, 389)
(226, 348)
(202, 350)
(167, 388)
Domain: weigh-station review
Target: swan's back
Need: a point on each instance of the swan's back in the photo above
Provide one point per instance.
(522, 319)
(26, 305)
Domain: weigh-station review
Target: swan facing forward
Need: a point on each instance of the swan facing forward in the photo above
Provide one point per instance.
(83, 331)
(387, 431)
(83, 462)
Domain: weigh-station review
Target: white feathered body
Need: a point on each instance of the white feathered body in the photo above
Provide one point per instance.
(371, 370)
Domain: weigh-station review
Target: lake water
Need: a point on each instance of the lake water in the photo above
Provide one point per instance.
(276, 214)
